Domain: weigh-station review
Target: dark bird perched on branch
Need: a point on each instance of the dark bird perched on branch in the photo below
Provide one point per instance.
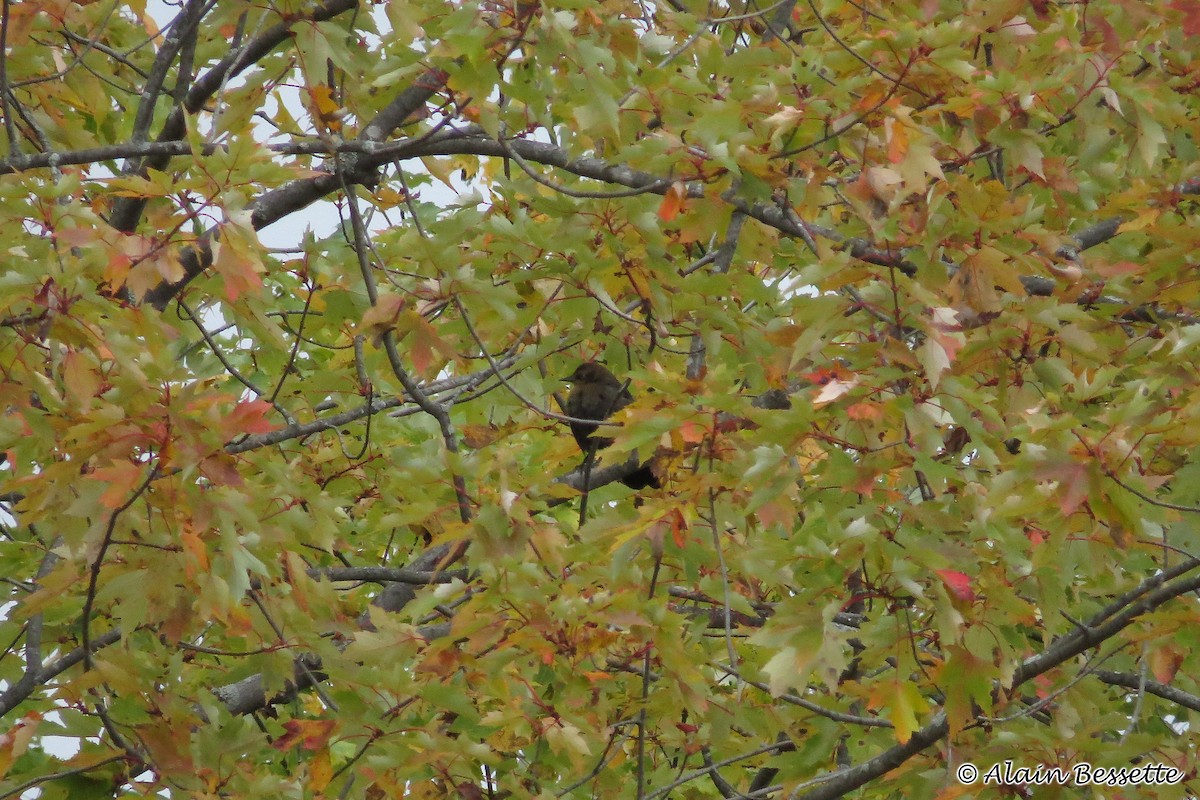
(597, 394)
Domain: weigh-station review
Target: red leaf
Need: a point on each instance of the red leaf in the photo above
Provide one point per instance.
(958, 584)
(221, 469)
(1118, 268)
(250, 417)
(1191, 15)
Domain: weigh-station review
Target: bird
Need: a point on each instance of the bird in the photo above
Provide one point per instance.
(598, 394)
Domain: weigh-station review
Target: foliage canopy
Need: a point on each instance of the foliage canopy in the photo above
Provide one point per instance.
(906, 294)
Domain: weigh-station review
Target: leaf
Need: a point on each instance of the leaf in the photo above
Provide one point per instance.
(81, 381)
(563, 737)
(958, 584)
(1191, 15)
(935, 359)
(1150, 138)
(785, 669)
(121, 478)
(833, 390)
(906, 701)
(324, 107)
(883, 183)
(673, 202)
(320, 770)
(249, 416)
(865, 412)
(784, 335)
(897, 139)
(1027, 155)
(236, 260)
(381, 317)
(1165, 661)
(967, 682)
(308, 734)
(17, 739)
(428, 351)
(1145, 218)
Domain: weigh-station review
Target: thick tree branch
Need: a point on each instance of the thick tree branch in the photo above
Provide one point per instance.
(293, 196)
(127, 211)
(769, 214)
(455, 385)
(1148, 596)
(12, 698)
(1135, 682)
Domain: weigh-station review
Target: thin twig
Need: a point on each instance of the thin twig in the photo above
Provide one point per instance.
(94, 569)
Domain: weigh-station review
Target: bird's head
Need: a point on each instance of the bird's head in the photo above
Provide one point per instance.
(592, 372)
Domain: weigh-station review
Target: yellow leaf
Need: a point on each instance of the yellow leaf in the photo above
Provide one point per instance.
(440, 168)
(785, 336)
(81, 381)
(320, 771)
(905, 702)
(1145, 218)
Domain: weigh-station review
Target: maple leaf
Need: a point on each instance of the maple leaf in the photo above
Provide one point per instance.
(672, 202)
(310, 734)
(121, 478)
(250, 416)
(958, 584)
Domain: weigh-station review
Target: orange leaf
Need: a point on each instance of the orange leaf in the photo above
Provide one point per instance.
(679, 527)
(1118, 268)
(236, 263)
(325, 107)
(691, 432)
(310, 734)
(250, 416)
(81, 381)
(1165, 662)
(897, 136)
(193, 545)
(221, 469)
(1074, 481)
(423, 345)
(864, 412)
(672, 202)
(382, 316)
(121, 478)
